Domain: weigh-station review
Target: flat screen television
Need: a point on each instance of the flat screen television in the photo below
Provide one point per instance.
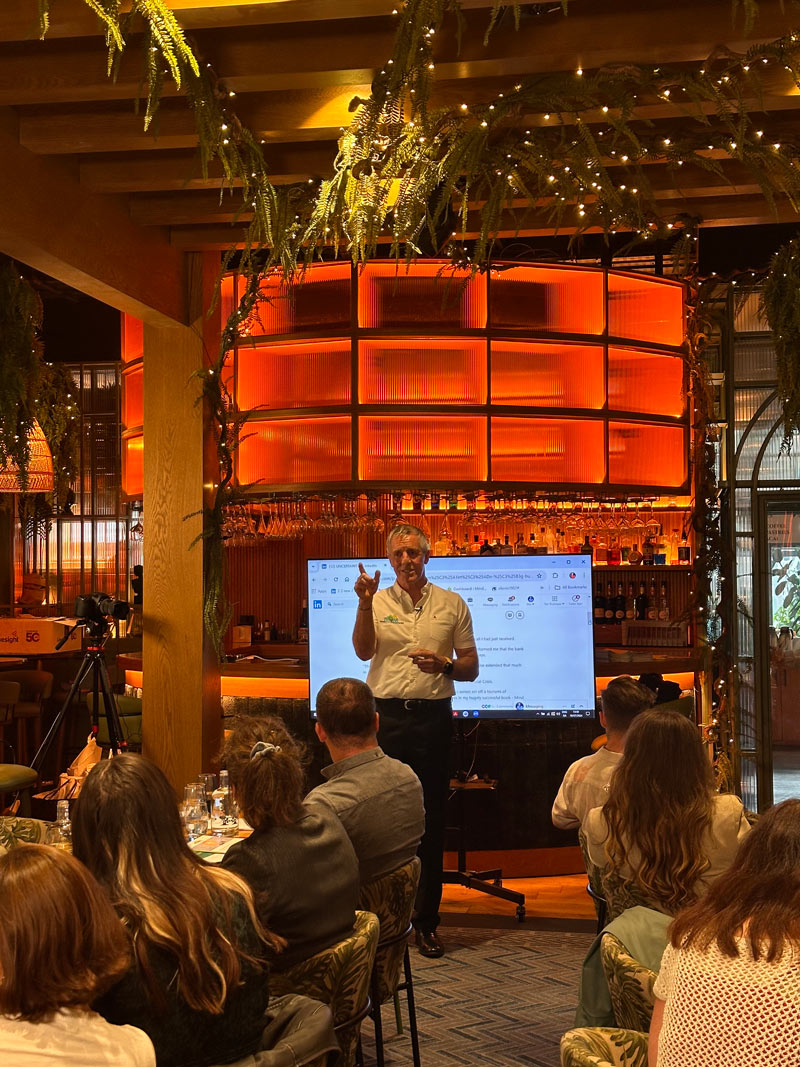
(532, 618)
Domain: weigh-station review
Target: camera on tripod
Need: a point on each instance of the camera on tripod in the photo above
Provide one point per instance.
(96, 607)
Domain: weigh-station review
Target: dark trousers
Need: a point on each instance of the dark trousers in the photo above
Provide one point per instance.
(419, 735)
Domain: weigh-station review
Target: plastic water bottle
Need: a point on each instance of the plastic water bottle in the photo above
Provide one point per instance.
(62, 835)
(224, 821)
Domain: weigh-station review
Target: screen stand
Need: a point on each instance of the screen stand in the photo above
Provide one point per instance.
(489, 882)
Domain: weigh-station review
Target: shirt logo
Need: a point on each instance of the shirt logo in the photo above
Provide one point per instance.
(390, 618)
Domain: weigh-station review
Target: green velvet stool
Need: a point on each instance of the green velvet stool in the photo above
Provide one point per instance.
(14, 777)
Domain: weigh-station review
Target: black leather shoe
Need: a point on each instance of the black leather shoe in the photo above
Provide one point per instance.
(429, 944)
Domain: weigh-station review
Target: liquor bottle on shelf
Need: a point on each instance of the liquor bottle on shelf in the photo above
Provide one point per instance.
(485, 548)
(619, 604)
(630, 604)
(684, 552)
(663, 604)
(273, 632)
(506, 549)
(614, 556)
(520, 548)
(475, 548)
(443, 545)
(648, 551)
(641, 603)
(599, 606)
(611, 606)
(601, 550)
(635, 556)
(652, 605)
(586, 547)
(266, 633)
(302, 625)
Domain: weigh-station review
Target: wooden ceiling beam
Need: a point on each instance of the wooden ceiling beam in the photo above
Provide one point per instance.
(51, 223)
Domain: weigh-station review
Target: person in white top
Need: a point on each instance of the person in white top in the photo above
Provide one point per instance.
(728, 993)
(585, 785)
(419, 639)
(61, 946)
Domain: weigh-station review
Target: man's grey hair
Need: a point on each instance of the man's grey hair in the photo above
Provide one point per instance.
(405, 529)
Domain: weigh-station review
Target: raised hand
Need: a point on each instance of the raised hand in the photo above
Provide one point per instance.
(366, 587)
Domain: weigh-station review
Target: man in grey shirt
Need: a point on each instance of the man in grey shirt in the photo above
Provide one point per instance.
(378, 799)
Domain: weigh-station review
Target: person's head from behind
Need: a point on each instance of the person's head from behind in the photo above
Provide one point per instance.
(266, 767)
(621, 701)
(758, 897)
(346, 715)
(61, 943)
(138, 570)
(660, 805)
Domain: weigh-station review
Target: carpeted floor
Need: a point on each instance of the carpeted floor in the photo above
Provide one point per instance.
(499, 996)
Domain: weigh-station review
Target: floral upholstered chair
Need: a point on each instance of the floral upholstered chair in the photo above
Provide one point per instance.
(338, 976)
(630, 985)
(15, 830)
(603, 1047)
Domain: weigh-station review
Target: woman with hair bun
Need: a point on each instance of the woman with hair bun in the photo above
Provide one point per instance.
(299, 859)
(664, 834)
(61, 946)
(728, 993)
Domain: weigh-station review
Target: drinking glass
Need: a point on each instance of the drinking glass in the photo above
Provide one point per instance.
(194, 811)
(208, 782)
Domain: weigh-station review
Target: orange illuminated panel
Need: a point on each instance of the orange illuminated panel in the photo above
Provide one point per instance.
(227, 372)
(227, 298)
(645, 454)
(133, 466)
(645, 309)
(233, 685)
(548, 450)
(547, 299)
(321, 300)
(422, 448)
(132, 400)
(650, 382)
(422, 371)
(304, 375)
(545, 374)
(427, 294)
(295, 451)
(132, 339)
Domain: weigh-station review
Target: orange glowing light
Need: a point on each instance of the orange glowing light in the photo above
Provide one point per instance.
(547, 299)
(295, 451)
(133, 466)
(645, 309)
(422, 370)
(548, 450)
(431, 293)
(234, 685)
(132, 397)
(320, 299)
(132, 347)
(422, 448)
(40, 466)
(547, 374)
(649, 382)
(646, 454)
(305, 374)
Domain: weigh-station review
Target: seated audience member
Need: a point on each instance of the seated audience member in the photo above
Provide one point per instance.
(61, 946)
(664, 835)
(198, 984)
(728, 992)
(378, 799)
(298, 860)
(585, 784)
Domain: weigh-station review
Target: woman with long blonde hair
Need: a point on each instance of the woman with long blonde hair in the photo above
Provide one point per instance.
(198, 986)
(664, 834)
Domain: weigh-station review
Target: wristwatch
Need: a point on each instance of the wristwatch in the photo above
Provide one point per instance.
(448, 666)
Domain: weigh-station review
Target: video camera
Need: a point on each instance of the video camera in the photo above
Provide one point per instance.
(96, 607)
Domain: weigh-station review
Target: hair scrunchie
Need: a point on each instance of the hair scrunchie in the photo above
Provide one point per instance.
(263, 748)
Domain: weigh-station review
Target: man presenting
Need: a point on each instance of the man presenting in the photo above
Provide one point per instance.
(419, 639)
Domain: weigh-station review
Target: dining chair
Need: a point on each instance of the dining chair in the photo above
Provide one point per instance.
(603, 1046)
(9, 697)
(391, 897)
(35, 688)
(339, 976)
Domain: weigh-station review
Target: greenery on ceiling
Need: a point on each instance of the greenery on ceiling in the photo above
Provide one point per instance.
(781, 302)
(20, 366)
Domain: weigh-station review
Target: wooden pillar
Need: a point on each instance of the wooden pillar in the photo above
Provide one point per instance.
(181, 692)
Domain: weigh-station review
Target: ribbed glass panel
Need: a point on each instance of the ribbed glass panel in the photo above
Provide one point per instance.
(744, 512)
(645, 381)
(302, 375)
(133, 466)
(547, 299)
(132, 339)
(547, 374)
(431, 294)
(295, 452)
(645, 309)
(422, 371)
(778, 466)
(645, 454)
(746, 403)
(227, 300)
(749, 794)
(747, 317)
(754, 360)
(132, 400)
(320, 301)
(422, 448)
(548, 450)
(744, 595)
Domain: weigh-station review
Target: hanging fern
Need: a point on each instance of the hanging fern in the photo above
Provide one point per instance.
(57, 414)
(20, 354)
(781, 303)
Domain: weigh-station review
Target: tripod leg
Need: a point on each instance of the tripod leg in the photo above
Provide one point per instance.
(83, 670)
(115, 735)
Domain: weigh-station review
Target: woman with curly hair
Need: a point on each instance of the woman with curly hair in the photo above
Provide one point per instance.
(664, 834)
(728, 993)
(198, 984)
(299, 859)
(61, 946)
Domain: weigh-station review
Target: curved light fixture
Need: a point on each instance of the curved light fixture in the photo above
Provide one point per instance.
(40, 467)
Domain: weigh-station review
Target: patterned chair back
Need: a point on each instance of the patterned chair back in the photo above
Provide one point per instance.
(391, 897)
(15, 830)
(601, 1046)
(630, 984)
(338, 976)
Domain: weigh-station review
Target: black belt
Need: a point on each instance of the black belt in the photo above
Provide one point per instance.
(398, 703)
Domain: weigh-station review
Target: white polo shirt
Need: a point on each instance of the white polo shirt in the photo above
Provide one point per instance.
(440, 622)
